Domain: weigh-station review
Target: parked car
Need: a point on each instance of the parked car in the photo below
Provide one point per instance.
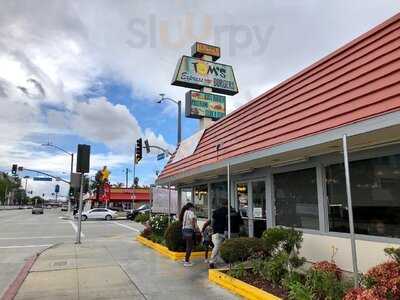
(140, 210)
(64, 208)
(99, 213)
(37, 210)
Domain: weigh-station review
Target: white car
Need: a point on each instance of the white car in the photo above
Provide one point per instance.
(99, 213)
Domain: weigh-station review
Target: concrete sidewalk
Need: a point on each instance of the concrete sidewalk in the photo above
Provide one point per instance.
(77, 272)
(111, 269)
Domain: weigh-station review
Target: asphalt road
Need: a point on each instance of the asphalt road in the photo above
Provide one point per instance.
(23, 234)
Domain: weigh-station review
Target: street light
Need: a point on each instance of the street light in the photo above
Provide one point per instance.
(163, 98)
(72, 165)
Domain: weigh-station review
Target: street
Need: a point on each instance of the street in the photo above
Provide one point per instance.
(23, 234)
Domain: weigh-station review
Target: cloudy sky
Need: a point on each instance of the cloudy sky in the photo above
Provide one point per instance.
(90, 71)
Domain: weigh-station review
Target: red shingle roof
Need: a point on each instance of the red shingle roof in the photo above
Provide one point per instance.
(358, 81)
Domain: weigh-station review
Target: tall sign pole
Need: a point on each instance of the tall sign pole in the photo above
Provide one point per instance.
(79, 231)
(134, 178)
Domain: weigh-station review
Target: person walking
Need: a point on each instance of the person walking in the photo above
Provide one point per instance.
(219, 226)
(189, 225)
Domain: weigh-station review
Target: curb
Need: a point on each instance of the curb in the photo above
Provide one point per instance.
(176, 256)
(13, 288)
(239, 287)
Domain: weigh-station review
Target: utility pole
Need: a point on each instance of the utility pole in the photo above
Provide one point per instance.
(126, 177)
(134, 176)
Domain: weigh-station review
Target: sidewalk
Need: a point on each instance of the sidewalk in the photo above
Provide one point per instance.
(114, 269)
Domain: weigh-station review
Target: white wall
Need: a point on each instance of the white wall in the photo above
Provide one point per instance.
(319, 247)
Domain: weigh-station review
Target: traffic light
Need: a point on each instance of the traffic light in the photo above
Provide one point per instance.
(14, 169)
(136, 181)
(147, 146)
(138, 151)
(57, 189)
(71, 192)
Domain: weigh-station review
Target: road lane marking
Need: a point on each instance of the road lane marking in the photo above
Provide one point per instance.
(25, 246)
(76, 228)
(126, 226)
(36, 237)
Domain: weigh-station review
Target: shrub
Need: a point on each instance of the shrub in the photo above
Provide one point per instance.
(280, 238)
(173, 237)
(328, 267)
(380, 282)
(325, 285)
(142, 218)
(238, 271)
(240, 249)
(275, 269)
(299, 291)
(158, 224)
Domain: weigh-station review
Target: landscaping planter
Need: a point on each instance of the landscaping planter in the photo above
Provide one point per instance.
(239, 287)
(165, 251)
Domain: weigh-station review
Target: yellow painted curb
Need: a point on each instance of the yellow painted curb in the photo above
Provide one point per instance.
(239, 287)
(165, 251)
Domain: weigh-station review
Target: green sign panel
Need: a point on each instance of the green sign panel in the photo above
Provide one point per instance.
(192, 72)
(204, 105)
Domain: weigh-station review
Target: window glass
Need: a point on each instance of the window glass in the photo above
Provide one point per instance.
(260, 224)
(296, 199)
(242, 197)
(375, 190)
(186, 195)
(201, 200)
(219, 194)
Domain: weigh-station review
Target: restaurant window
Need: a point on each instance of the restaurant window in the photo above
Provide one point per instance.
(186, 195)
(296, 199)
(219, 194)
(375, 191)
(201, 200)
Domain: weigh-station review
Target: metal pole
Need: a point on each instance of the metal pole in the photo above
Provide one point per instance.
(134, 177)
(78, 232)
(70, 180)
(179, 122)
(169, 202)
(126, 177)
(228, 169)
(350, 209)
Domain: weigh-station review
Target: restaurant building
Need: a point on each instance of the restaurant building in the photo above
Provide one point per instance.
(284, 154)
(122, 198)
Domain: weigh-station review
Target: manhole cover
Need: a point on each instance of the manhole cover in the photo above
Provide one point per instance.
(60, 263)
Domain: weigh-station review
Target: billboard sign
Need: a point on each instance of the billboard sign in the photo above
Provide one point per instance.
(204, 105)
(42, 179)
(192, 72)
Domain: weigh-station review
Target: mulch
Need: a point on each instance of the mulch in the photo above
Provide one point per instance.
(265, 285)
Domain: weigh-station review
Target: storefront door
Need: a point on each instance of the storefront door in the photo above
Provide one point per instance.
(251, 201)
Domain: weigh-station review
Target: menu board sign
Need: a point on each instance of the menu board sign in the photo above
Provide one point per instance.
(204, 105)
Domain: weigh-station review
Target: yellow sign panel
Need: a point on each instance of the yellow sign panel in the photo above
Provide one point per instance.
(200, 49)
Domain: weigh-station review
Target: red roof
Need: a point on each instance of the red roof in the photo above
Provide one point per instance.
(124, 194)
(358, 81)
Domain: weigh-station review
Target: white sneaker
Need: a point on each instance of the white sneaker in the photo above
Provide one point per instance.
(206, 261)
(187, 264)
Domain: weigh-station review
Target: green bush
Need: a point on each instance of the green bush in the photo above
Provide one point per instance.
(173, 237)
(158, 224)
(240, 249)
(238, 271)
(276, 268)
(280, 238)
(142, 218)
(299, 291)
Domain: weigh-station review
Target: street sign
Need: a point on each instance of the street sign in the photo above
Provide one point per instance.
(192, 72)
(42, 179)
(204, 105)
(161, 156)
(57, 188)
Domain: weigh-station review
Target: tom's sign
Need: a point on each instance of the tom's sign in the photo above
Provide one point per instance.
(199, 105)
(192, 72)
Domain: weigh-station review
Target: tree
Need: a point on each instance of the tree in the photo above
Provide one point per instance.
(7, 184)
